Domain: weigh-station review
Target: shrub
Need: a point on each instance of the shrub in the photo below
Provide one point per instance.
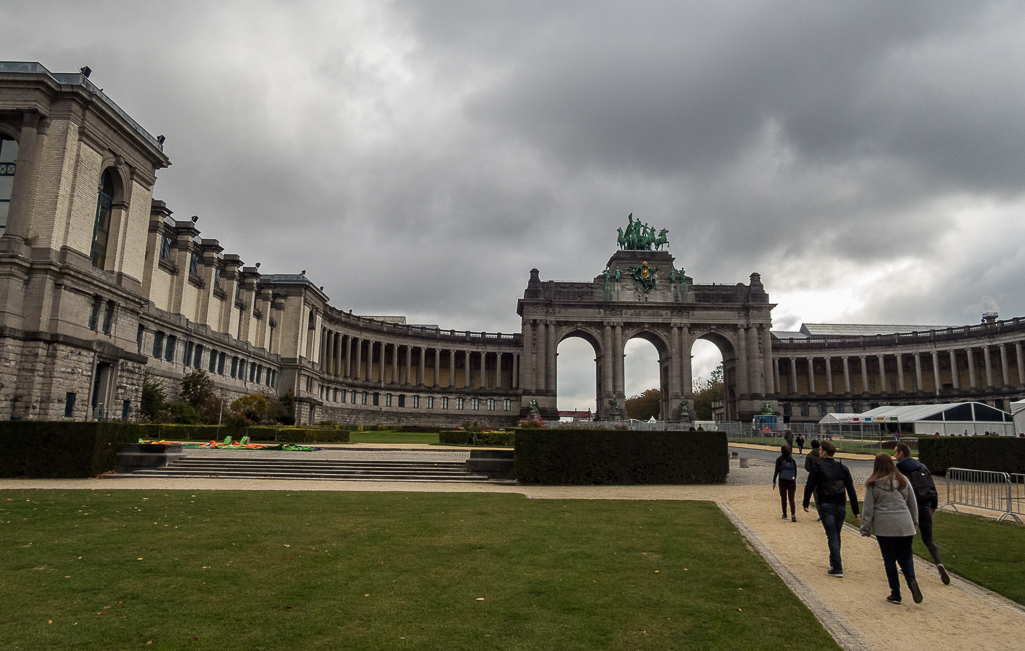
(153, 400)
(997, 453)
(463, 437)
(249, 409)
(60, 449)
(181, 412)
(598, 456)
(197, 388)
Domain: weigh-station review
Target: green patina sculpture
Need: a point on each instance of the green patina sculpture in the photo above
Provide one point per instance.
(613, 408)
(684, 410)
(638, 236)
(645, 275)
(534, 410)
(767, 409)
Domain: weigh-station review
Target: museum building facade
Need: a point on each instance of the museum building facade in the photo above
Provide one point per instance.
(100, 282)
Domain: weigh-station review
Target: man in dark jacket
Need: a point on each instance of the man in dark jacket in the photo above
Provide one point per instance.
(906, 465)
(813, 457)
(831, 482)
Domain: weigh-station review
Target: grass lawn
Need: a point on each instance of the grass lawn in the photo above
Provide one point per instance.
(984, 551)
(389, 436)
(272, 570)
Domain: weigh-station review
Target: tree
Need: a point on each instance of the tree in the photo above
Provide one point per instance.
(153, 400)
(706, 393)
(197, 388)
(250, 408)
(644, 406)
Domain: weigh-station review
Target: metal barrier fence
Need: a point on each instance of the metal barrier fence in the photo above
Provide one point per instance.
(984, 489)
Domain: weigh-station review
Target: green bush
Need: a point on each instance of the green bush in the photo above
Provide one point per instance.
(298, 435)
(41, 449)
(464, 437)
(998, 453)
(598, 456)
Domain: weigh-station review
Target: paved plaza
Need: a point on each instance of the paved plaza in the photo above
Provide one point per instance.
(853, 609)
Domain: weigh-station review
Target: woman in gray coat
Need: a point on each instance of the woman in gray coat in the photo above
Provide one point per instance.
(891, 512)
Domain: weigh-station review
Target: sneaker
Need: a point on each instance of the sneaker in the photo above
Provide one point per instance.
(900, 570)
(894, 599)
(943, 574)
(784, 516)
(793, 518)
(835, 572)
(916, 593)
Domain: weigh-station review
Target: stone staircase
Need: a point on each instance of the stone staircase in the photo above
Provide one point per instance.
(314, 469)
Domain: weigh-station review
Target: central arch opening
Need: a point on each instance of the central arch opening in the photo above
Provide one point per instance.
(642, 380)
(576, 375)
(707, 371)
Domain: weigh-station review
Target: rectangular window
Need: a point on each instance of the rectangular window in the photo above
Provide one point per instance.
(158, 344)
(416, 402)
(459, 403)
(108, 317)
(198, 359)
(69, 405)
(822, 409)
(188, 353)
(169, 348)
(217, 278)
(234, 367)
(475, 404)
(444, 403)
(805, 410)
(212, 367)
(430, 402)
(259, 373)
(335, 399)
(165, 247)
(94, 315)
(491, 404)
(353, 400)
(507, 404)
(126, 406)
(341, 396)
(377, 399)
(402, 400)
(194, 265)
(387, 400)
(838, 408)
(252, 372)
(220, 363)
(363, 398)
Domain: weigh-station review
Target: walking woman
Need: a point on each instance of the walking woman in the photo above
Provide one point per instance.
(891, 512)
(786, 470)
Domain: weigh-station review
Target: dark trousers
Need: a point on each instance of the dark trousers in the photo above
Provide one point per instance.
(787, 488)
(897, 550)
(832, 516)
(925, 528)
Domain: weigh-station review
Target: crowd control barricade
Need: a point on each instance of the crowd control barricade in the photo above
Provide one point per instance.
(981, 489)
(1018, 493)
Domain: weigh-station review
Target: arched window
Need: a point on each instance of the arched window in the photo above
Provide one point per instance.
(8, 155)
(101, 229)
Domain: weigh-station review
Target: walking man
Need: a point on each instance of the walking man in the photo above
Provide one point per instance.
(925, 495)
(788, 436)
(831, 482)
(800, 444)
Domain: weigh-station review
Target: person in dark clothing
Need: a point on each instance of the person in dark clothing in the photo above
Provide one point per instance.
(786, 470)
(788, 436)
(800, 443)
(813, 457)
(906, 465)
(831, 483)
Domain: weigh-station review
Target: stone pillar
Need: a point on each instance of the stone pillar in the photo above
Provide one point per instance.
(467, 375)
(607, 367)
(348, 356)
(811, 376)
(743, 370)
(617, 360)
(972, 382)
(793, 376)
(955, 376)
(550, 382)
(989, 366)
(864, 375)
(19, 214)
(900, 374)
(846, 375)
(775, 377)
(936, 381)
(451, 368)
(437, 368)
(515, 371)
(539, 360)
(420, 366)
(771, 379)
(755, 368)
(918, 373)
(829, 375)
(882, 374)
(326, 352)
(498, 370)
(381, 364)
(1004, 367)
(686, 372)
(358, 371)
(1021, 366)
(674, 364)
(395, 377)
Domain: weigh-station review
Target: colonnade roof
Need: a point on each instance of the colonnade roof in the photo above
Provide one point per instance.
(858, 329)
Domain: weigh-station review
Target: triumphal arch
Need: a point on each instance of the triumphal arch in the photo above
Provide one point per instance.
(641, 293)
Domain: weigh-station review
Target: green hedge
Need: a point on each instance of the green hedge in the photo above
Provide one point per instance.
(40, 449)
(999, 453)
(599, 456)
(463, 437)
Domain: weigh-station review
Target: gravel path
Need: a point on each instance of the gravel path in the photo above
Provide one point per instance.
(853, 609)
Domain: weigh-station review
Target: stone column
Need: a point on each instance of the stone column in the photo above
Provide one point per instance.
(900, 374)
(539, 360)
(19, 214)
(674, 363)
(358, 371)
(451, 368)
(550, 382)
(864, 375)
(829, 375)
(846, 375)
(467, 375)
(686, 372)
(420, 366)
(936, 381)
(755, 368)
(793, 376)
(882, 374)
(348, 356)
(617, 361)
(811, 376)
(1004, 367)
(1021, 366)
(771, 379)
(989, 366)
(608, 368)
(972, 382)
(395, 377)
(381, 364)
(516, 371)
(437, 368)
(743, 370)
(955, 376)
(326, 353)
(775, 377)
(918, 373)
(498, 370)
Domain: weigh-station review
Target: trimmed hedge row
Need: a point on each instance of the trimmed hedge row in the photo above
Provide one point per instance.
(463, 437)
(998, 453)
(40, 449)
(598, 456)
(280, 434)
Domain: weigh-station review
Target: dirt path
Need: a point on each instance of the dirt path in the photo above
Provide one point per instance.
(853, 609)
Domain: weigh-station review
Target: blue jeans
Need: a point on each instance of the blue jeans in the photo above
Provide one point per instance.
(832, 516)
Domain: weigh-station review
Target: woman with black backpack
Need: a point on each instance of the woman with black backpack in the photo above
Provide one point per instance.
(786, 470)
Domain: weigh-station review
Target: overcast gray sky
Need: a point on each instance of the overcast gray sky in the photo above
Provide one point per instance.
(419, 158)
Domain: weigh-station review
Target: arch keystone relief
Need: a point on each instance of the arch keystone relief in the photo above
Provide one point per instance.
(642, 294)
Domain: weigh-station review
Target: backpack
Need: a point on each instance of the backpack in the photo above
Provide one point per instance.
(830, 485)
(922, 484)
(788, 470)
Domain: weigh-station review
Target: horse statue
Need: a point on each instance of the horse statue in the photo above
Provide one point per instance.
(662, 239)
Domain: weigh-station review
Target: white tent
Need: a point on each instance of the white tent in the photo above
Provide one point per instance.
(1018, 414)
(950, 419)
(830, 419)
